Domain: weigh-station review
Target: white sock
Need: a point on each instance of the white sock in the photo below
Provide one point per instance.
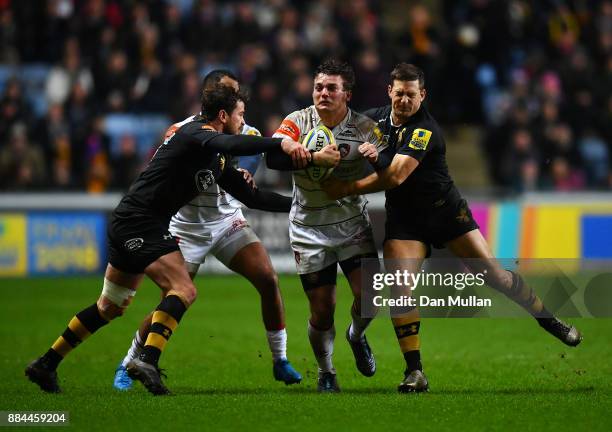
(134, 351)
(322, 343)
(358, 326)
(277, 339)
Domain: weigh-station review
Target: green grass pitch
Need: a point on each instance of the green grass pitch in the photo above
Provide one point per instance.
(491, 374)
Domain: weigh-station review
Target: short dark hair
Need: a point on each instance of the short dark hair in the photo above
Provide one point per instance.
(215, 76)
(219, 97)
(408, 72)
(334, 66)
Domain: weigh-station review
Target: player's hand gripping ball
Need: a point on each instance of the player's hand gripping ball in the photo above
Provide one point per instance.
(317, 139)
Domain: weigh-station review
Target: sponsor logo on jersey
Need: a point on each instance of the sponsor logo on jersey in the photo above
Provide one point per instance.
(344, 150)
(347, 133)
(133, 244)
(420, 139)
(253, 132)
(204, 179)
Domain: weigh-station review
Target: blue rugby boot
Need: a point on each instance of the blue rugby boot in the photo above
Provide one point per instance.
(283, 371)
(122, 380)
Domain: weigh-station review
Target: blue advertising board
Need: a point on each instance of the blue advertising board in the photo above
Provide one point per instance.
(66, 242)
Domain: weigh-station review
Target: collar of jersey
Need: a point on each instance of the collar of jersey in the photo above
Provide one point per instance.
(340, 126)
(391, 120)
(413, 119)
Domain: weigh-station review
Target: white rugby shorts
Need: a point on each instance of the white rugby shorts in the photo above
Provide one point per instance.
(222, 238)
(317, 247)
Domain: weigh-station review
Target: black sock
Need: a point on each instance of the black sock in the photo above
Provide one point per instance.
(413, 361)
(50, 360)
(80, 327)
(164, 322)
(544, 317)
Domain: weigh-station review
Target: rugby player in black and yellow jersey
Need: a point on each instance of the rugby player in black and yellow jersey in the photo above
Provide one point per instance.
(189, 161)
(424, 208)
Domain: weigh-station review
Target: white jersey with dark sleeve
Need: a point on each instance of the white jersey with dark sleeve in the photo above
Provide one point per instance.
(215, 204)
(311, 206)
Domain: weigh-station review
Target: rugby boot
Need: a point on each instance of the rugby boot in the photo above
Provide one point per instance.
(122, 380)
(283, 371)
(46, 379)
(414, 382)
(327, 383)
(364, 359)
(567, 334)
(148, 375)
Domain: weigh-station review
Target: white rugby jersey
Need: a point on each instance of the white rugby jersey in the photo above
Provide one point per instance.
(214, 204)
(311, 206)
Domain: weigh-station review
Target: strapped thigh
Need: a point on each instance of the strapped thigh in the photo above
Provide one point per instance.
(117, 294)
(326, 276)
(350, 264)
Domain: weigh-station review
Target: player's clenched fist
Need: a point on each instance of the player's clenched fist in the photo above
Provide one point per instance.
(299, 155)
(328, 156)
(369, 151)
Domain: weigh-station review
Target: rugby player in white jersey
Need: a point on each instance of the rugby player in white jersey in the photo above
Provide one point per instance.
(324, 232)
(213, 223)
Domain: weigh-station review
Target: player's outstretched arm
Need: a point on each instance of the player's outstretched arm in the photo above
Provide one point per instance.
(278, 160)
(328, 157)
(250, 163)
(245, 145)
(242, 145)
(394, 175)
(233, 181)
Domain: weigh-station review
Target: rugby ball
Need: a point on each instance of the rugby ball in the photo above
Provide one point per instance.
(316, 139)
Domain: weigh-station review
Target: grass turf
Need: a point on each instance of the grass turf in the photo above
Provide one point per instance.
(493, 374)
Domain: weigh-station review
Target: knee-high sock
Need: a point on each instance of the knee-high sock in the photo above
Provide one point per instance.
(322, 343)
(80, 327)
(524, 295)
(407, 331)
(164, 322)
(277, 340)
(135, 349)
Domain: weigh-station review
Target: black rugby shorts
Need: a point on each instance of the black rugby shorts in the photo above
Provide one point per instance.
(136, 241)
(433, 225)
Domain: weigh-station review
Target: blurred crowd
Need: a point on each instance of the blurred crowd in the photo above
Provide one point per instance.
(536, 77)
